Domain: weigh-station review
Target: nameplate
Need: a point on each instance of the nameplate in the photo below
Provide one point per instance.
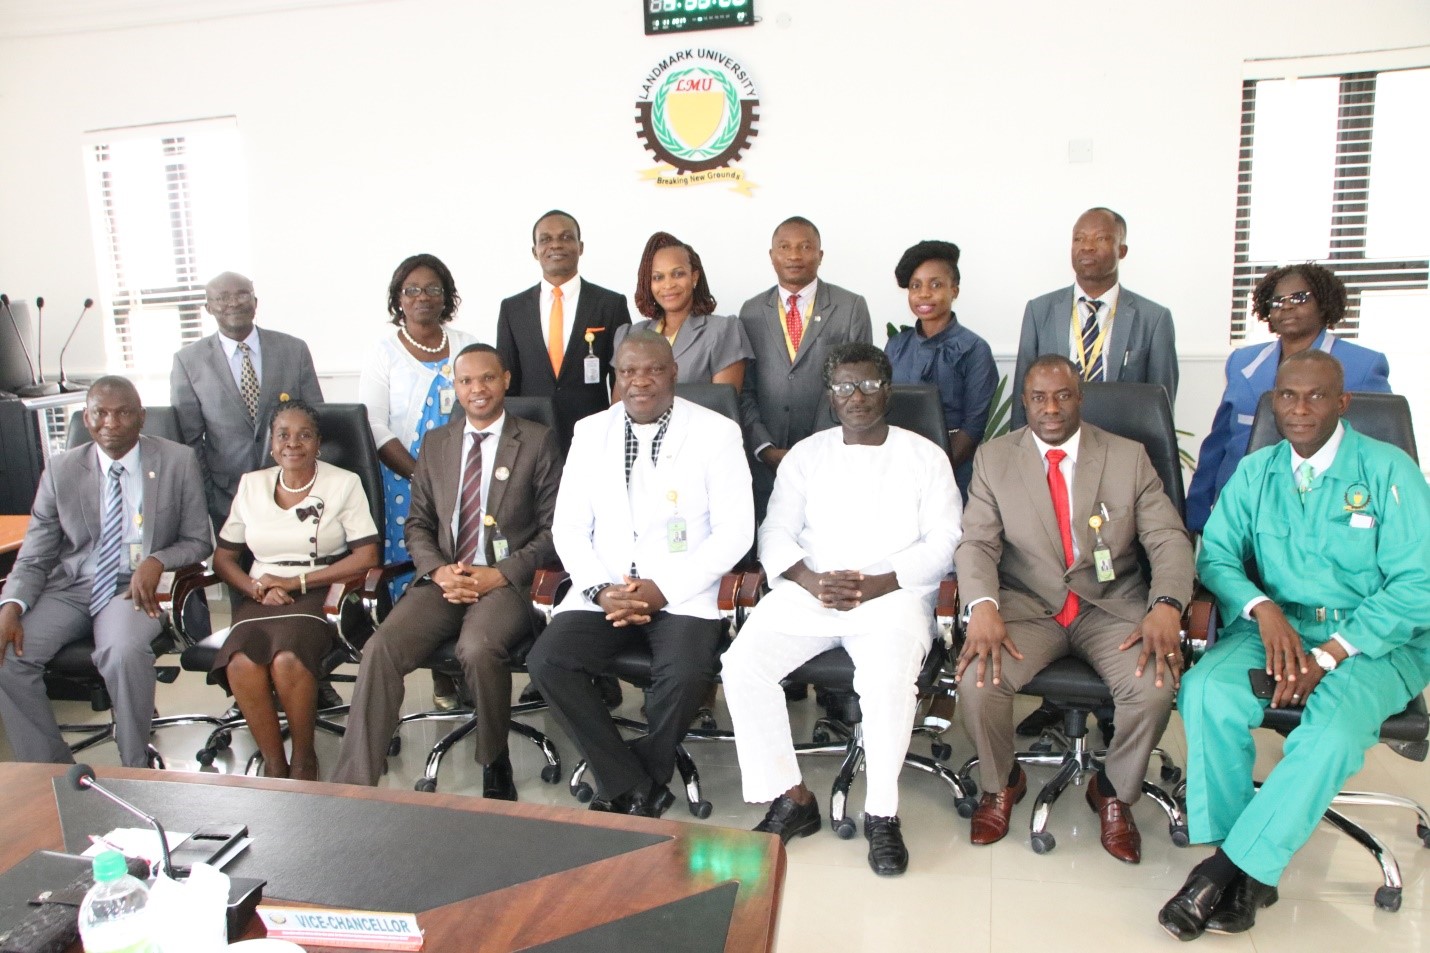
(358, 929)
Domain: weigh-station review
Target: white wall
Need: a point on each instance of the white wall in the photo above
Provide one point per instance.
(375, 130)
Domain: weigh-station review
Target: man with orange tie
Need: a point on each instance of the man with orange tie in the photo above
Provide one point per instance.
(792, 327)
(1058, 515)
(556, 338)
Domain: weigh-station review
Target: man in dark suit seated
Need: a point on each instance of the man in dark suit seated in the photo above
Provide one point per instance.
(108, 520)
(556, 337)
(1057, 515)
(483, 497)
(1334, 524)
(654, 509)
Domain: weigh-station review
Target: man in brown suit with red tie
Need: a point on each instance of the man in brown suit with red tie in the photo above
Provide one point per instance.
(1048, 503)
(483, 497)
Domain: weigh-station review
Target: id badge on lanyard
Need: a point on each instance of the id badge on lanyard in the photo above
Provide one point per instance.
(675, 529)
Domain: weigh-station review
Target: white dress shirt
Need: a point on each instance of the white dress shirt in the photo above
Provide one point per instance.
(489, 455)
(570, 295)
(235, 359)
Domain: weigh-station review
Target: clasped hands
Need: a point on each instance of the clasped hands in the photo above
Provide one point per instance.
(1295, 672)
(632, 602)
(463, 585)
(842, 589)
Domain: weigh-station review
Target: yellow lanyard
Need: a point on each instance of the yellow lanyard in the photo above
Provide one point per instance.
(1084, 360)
(784, 323)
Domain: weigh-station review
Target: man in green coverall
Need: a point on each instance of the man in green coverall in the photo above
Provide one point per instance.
(1335, 524)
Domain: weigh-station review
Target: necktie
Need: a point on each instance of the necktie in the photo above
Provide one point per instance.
(794, 324)
(248, 380)
(1305, 473)
(469, 523)
(1058, 487)
(1092, 366)
(111, 542)
(556, 336)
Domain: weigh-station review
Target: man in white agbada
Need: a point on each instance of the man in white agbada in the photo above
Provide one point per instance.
(862, 526)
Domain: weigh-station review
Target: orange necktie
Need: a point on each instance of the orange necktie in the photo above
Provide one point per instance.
(1058, 487)
(556, 336)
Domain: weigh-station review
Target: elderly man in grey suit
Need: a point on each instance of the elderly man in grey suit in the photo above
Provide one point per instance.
(1058, 514)
(224, 389)
(108, 520)
(1108, 331)
(792, 328)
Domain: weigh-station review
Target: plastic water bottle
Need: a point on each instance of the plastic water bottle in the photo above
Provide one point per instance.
(112, 918)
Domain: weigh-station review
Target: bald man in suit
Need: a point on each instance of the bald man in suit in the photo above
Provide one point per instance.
(1043, 501)
(109, 518)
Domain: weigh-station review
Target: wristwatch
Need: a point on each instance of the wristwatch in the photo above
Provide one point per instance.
(1168, 601)
(1325, 659)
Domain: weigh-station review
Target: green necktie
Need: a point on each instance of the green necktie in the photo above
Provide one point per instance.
(1305, 473)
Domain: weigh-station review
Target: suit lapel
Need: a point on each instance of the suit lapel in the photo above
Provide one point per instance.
(814, 323)
(1091, 461)
(219, 367)
(1060, 324)
(150, 466)
(89, 499)
(1035, 481)
(571, 363)
(270, 383)
(446, 445)
(690, 332)
(1122, 324)
(503, 460)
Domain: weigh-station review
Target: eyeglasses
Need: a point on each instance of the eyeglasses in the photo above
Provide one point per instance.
(431, 291)
(224, 297)
(846, 388)
(1287, 301)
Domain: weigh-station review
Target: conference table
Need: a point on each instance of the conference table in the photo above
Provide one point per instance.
(480, 875)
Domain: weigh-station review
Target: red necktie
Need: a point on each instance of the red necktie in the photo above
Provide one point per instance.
(1058, 487)
(794, 323)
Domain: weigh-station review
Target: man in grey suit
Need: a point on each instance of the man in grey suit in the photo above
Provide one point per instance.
(224, 388)
(472, 585)
(792, 327)
(108, 520)
(1108, 331)
(1058, 514)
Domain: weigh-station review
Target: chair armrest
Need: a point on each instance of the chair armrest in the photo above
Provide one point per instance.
(339, 592)
(377, 578)
(946, 609)
(1199, 625)
(546, 587)
(174, 589)
(752, 586)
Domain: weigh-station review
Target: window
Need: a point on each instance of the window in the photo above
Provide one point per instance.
(1333, 170)
(169, 209)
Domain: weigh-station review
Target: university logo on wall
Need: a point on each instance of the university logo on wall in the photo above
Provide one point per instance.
(696, 114)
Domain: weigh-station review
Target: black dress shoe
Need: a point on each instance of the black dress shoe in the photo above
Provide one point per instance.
(328, 696)
(796, 691)
(1039, 721)
(1185, 915)
(1236, 912)
(530, 695)
(790, 819)
(497, 782)
(444, 692)
(651, 800)
(603, 806)
(888, 856)
(610, 688)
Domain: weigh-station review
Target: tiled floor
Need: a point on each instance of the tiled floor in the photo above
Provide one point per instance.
(956, 896)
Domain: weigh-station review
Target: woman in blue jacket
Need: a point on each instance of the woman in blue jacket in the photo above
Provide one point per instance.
(1301, 303)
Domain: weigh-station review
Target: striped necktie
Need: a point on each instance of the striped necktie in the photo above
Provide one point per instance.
(469, 523)
(111, 542)
(1092, 368)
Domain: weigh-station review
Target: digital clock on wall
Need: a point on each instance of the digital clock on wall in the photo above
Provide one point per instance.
(682, 16)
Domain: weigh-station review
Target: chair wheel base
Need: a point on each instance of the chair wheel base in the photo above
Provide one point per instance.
(551, 773)
(1388, 898)
(394, 747)
(206, 756)
(426, 785)
(582, 792)
(1423, 833)
(820, 736)
(1171, 775)
(965, 806)
(155, 760)
(941, 751)
(1043, 842)
(1041, 746)
(702, 809)
(1180, 836)
(845, 828)
(222, 740)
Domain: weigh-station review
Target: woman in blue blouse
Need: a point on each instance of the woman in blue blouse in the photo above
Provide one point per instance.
(1301, 303)
(940, 351)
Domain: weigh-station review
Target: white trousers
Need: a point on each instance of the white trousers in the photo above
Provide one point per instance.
(887, 639)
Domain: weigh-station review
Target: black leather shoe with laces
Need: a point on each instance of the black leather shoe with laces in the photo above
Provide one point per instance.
(1185, 915)
(888, 856)
(1236, 911)
(790, 819)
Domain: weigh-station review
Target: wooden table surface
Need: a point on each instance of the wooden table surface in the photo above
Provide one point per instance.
(12, 532)
(520, 916)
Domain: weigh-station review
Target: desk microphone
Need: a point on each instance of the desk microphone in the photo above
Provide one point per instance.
(81, 776)
(64, 384)
(25, 348)
(40, 388)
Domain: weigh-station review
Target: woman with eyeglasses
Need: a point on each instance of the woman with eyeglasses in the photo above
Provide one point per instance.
(673, 294)
(307, 524)
(939, 350)
(1301, 303)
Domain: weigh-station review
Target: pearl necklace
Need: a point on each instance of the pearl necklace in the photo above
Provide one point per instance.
(424, 349)
(298, 489)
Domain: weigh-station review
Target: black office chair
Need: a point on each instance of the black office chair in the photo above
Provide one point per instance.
(1385, 417)
(1139, 412)
(71, 675)
(444, 658)
(347, 443)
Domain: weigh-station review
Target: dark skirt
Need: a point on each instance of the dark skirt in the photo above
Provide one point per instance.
(261, 632)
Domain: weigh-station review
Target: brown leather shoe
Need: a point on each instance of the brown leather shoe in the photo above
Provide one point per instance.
(1120, 837)
(990, 821)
